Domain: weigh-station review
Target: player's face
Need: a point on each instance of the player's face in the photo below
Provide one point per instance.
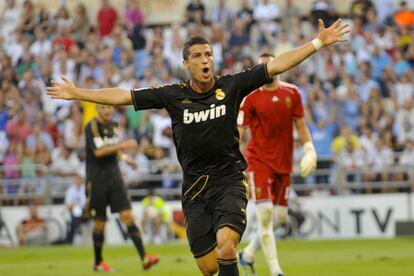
(200, 63)
(105, 112)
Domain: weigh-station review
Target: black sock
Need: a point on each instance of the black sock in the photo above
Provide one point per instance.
(98, 239)
(228, 267)
(135, 235)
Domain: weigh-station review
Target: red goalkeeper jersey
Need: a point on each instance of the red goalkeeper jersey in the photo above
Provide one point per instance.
(270, 116)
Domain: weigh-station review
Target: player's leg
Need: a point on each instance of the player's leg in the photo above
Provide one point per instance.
(119, 202)
(98, 241)
(227, 241)
(200, 232)
(265, 199)
(208, 263)
(96, 209)
(135, 235)
(280, 191)
(229, 218)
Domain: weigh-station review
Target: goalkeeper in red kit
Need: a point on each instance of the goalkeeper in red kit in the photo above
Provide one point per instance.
(271, 112)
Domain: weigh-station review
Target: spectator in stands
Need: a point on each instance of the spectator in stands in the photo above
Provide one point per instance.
(4, 113)
(75, 200)
(44, 20)
(42, 153)
(404, 17)
(290, 15)
(33, 230)
(325, 10)
(245, 13)
(41, 46)
(62, 40)
(404, 122)
(195, 11)
(141, 55)
(155, 214)
(4, 144)
(384, 159)
(38, 134)
(62, 18)
(359, 8)
(352, 160)
(27, 20)
(80, 24)
(162, 136)
(107, 18)
(265, 13)
(18, 129)
(407, 155)
(345, 136)
(133, 16)
(133, 177)
(239, 38)
(9, 21)
(66, 164)
(221, 13)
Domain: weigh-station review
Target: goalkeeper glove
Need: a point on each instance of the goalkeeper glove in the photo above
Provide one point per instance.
(308, 162)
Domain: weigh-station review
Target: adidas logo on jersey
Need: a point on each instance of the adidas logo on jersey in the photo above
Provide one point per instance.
(275, 99)
(204, 115)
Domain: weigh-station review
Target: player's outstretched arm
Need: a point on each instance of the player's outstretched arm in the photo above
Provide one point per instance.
(108, 96)
(326, 37)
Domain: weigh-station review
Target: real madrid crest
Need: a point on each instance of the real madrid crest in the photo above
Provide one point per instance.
(220, 95)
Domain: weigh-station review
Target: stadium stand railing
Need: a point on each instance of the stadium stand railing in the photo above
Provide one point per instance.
(46, 188)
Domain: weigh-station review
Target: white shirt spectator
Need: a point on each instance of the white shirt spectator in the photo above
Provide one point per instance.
(131, 175)
(41, 48)
(161, 121)
(407, 156)
(4, 145)
(266, 11)
(9, 20)
(404, 123)
(403, 91)
(384, 157)
(67, 164)
(76, 198)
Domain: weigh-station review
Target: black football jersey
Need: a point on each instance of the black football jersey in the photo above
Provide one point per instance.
(99, 135)
(205, 124)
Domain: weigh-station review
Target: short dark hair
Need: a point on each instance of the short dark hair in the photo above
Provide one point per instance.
(194, 40)
(266, 55)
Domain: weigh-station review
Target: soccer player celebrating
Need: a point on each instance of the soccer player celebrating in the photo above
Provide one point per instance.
(105, 185)
(271, 112)
(204, 122)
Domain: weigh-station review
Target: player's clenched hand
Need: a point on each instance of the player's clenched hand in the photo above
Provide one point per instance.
(308, 162)
(60, 90)
(128, 144)
(334, 33)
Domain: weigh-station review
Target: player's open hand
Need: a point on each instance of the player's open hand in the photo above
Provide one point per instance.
(59, 90)
(334, 33)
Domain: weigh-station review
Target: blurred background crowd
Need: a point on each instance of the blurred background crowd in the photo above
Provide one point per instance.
(358, 96)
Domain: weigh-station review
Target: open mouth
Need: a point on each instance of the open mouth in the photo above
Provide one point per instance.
(206, 70)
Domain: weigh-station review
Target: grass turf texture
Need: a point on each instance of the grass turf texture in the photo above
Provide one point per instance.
(347, 257)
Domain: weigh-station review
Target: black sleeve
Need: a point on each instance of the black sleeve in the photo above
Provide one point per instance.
(89, 137)
(93, 138)
(252, 78)
(147, 98)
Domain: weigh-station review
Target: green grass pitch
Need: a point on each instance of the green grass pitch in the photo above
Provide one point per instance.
(393, 257)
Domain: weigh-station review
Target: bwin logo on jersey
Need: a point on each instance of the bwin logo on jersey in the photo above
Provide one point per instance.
(204, 115)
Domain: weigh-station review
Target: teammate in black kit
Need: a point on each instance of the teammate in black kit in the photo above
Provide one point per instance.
(105, 185)
(203, 112)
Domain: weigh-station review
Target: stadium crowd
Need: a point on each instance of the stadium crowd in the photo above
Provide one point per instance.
(358, 96)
